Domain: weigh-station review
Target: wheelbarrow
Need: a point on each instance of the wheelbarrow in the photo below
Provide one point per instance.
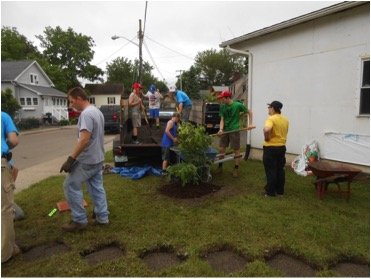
(327, 173)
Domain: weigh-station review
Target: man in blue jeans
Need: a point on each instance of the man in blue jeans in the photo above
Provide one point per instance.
(85, 164)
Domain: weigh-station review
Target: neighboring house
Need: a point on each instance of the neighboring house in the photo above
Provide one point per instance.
(104, 94)
(318, 66)
(33, 90)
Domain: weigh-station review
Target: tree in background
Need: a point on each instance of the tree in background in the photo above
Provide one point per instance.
(70, 53)
(15, 46)
(8, 103)
(217, 67)
(191, 83)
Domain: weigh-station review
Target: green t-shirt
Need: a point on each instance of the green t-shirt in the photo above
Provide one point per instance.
(231, 115)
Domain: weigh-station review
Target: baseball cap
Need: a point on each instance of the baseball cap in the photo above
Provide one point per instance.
(152, 88)
(172, 88)
(225, 94)
(276, 105)
(136, 85)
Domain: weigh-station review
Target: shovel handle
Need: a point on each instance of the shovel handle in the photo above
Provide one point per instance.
(233, 131)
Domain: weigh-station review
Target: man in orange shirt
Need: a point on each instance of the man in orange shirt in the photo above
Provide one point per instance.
(274, 148)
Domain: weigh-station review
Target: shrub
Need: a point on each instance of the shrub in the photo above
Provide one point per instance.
(28, 123)
(64, 122)
(186, 173)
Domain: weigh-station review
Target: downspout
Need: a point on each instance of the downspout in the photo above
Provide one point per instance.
(249, 89)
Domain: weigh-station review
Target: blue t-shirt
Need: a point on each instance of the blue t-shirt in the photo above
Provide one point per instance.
(182, 97)
(166, 141)
(7, 126)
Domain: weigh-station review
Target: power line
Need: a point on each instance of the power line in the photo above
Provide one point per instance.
(153, 61)
(170, 48)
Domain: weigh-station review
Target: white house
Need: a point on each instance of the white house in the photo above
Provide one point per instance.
(318, 66)
(104, 94)
(33, 90)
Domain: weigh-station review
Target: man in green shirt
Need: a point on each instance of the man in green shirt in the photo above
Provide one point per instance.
(229, 113)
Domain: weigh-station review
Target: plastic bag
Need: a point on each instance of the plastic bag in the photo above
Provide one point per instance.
(310, 153)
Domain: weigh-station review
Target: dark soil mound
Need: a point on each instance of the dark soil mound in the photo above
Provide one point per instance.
(156, 260)
(352, 270)
(290, 266)
(189, 191)
(225, 261)
(44, 251)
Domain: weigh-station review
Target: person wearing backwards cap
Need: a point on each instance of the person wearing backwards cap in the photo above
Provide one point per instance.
(184, 103)
(154, 99)
(229, 113)
(135, 106)
(274, 148)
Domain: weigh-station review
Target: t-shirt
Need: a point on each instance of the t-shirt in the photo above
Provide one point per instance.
(135, 109)
(280, 127)
(181, 97)
(92, 120)
(153, 100)
(231, 114)
(7, 126)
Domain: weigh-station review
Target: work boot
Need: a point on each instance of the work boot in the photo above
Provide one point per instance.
(74, 227)
(235, 173)
(96, 223)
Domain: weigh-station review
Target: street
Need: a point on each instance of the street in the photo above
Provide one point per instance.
(41, 154)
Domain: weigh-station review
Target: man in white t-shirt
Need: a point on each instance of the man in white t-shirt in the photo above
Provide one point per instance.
(154, 96)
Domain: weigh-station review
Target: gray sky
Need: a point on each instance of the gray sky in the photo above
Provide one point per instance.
(174, 32)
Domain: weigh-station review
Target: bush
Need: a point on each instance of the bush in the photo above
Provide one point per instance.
(186, 173)
(28, 123)
(64, 122)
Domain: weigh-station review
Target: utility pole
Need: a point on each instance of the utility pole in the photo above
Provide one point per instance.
(140, 36)
(180, 76)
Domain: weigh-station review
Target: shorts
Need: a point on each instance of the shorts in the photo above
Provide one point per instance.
(136, 119)
(154, 113)
(165, 152)
(232, 139)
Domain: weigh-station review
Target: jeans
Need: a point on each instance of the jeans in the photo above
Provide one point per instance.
(274, 164)
(93, 176)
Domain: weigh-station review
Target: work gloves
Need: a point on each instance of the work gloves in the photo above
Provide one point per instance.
(68, 164)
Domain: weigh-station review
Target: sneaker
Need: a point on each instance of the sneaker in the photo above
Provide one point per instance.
(164, 173)
(136, 142)
(74, 227)
(96, 223)
(235, 173)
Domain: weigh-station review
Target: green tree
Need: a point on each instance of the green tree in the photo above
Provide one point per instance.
(8, 103)
(71, 53)
(217, 67)
(15, 46)
(191, 83)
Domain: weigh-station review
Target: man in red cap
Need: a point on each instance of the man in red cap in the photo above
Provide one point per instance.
(135, 107)
(229, 113)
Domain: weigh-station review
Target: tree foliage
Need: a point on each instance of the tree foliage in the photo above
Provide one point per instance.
(8, 103)
(191, 82)
(15, 46)
(71, 53)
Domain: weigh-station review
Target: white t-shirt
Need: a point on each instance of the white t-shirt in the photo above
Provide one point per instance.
(154, 100)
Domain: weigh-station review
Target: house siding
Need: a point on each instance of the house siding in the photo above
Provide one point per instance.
(25, 77)
(314, 69)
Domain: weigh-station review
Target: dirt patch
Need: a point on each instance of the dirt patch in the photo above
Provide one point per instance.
(44, 251)
(352, 270)
(161, 257)
(291, 267)
(106, 253)
(226, 261)
(189, 191)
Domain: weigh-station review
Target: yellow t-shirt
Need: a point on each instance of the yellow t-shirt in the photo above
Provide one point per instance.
(280, 128)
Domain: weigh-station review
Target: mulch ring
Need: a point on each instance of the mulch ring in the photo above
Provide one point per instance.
(161, 257)
(188, 191)
(43, 251)
(101, 253)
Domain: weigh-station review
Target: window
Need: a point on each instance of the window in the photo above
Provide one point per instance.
(35, 101)
(34, 79)
(92, 100)
(29, 103)
(111, 100)
(364, 100)
(23, 102)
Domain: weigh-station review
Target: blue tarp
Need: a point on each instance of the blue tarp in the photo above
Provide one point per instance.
(136, 172)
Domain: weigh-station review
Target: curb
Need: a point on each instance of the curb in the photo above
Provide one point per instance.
(43, 130)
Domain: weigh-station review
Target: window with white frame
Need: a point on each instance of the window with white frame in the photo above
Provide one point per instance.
(34, 79)
(364, 100)
(111, 100)
(35, 101)
(92, 100)
(28, 100)
(22, 101)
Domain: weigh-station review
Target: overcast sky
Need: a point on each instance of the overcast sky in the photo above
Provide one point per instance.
(174, 31)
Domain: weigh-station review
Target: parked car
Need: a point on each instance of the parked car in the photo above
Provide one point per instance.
(111, 115)
(72, 113)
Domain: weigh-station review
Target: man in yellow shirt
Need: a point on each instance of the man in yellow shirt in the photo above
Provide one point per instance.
(274, 148)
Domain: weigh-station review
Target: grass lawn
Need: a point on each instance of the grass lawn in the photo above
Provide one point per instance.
(322, 232)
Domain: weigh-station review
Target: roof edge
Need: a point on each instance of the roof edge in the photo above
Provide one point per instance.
(295, 21)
